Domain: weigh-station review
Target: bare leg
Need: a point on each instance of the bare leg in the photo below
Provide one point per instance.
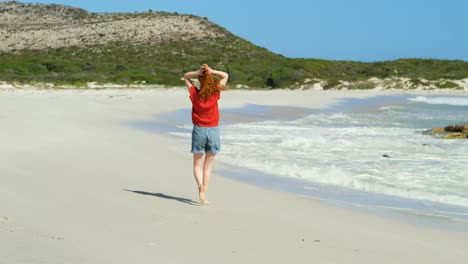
(198, 162)
(207, 166)
(198, 168)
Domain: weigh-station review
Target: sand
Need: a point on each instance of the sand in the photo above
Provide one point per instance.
(78, 185)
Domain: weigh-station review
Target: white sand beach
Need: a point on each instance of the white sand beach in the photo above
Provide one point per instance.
(78, 185)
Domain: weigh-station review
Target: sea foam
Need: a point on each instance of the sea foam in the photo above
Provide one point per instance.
(458, 101)
(381, 151)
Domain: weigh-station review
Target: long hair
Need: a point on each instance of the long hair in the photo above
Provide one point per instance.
(209, 85)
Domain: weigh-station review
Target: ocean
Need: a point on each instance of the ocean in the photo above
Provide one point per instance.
(371, 154)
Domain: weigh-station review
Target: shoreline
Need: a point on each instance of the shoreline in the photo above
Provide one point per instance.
(75, 177)
(441, 216)
(335, 196)
(400, 85)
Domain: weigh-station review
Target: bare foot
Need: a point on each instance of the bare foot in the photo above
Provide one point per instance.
(202, 196)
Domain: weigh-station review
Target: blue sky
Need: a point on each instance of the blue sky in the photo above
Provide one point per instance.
(361, 30)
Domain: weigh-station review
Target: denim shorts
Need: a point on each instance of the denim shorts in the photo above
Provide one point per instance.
(205, 139)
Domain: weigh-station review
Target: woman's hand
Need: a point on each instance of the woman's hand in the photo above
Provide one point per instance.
(205, 69)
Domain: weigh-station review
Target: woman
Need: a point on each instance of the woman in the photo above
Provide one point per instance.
(205, 117)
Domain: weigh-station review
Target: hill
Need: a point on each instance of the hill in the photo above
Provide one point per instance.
(66, 45)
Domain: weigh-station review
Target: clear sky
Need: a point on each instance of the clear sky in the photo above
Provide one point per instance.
(362, 30)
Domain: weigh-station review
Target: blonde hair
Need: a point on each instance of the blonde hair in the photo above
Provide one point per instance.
(209, 85)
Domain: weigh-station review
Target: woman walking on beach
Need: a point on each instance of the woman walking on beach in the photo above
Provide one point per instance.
(205, 118)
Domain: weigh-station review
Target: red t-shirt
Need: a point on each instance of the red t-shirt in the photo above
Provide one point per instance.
(204, 113)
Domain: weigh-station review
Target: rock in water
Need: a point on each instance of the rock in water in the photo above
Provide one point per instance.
(459, 131)
(456, 136)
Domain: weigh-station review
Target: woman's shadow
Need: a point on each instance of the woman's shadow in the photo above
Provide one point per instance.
(164, 196)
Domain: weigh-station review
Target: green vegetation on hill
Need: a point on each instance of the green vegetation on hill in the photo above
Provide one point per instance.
(164, 63)
(123, 63)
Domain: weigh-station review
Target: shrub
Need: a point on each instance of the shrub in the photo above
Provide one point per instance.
(52, 67)
(447, 85)
(88, 66)
(330, 84)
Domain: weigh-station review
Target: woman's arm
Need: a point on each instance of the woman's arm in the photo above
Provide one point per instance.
(222, 75)
(188, 76)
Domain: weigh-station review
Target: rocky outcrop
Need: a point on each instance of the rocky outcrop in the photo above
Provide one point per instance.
(37, 26)
(459, 131)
